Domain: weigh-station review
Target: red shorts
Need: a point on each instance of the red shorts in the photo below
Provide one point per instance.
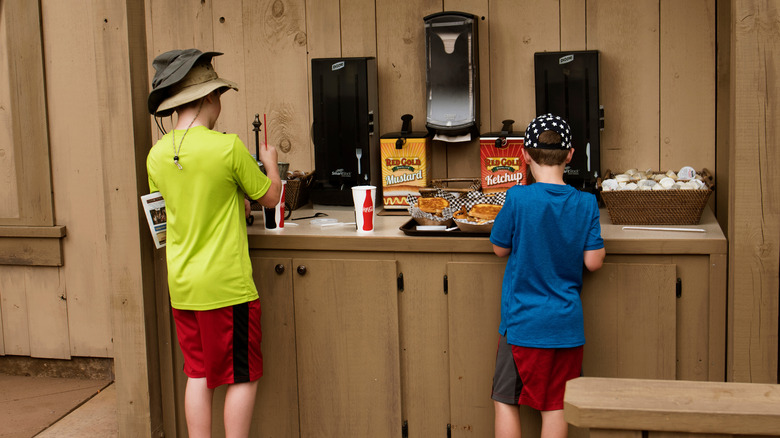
(535, 377)
(222, 345)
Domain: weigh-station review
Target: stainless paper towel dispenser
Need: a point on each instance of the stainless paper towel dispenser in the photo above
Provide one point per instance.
(452, 73)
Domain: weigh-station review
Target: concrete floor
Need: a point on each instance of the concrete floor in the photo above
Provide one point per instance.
(47, 407)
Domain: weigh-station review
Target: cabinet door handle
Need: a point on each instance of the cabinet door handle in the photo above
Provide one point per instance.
(279, 268)
(302, 270)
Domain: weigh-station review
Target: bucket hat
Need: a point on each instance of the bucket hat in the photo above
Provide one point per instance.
(547, 122)
(182, 76)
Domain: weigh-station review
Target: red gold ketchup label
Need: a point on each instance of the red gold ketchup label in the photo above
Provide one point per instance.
(502, 167)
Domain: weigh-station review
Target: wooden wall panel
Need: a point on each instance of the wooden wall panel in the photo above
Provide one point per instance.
(47, 304)
(626, 35)
(34, 312)
(77, 175)
(573, 25)
(400, 51)
(687, 84)
(358, 28)
(754, 219)
(514, 38)
(26, 103)
(8, 187)
(276, 75)
(227, 21)
(177, 24)
(13, 303)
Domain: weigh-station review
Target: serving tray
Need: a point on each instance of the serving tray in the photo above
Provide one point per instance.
(410, 229)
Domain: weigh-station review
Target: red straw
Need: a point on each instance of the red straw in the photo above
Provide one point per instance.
(265, 132)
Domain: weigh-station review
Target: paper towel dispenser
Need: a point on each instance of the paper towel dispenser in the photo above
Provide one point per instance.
(452, 73)
(567, 85)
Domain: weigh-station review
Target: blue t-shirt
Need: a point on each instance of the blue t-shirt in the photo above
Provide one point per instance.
(547, 227)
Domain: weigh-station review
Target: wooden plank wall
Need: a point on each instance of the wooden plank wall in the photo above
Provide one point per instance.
(657, 67)
(754, 192)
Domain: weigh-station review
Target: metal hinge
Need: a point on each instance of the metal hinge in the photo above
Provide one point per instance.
(400, 282)
(405, 429)
(679, 287)
(446, 286)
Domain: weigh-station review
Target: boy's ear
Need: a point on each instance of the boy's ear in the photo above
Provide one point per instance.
(527, 156)
(571, 154)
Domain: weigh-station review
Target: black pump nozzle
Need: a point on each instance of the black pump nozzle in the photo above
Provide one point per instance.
(406, 129)
(506, 127)
(406, 126)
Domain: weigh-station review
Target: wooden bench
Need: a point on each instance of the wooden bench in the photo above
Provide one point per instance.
(633, 407)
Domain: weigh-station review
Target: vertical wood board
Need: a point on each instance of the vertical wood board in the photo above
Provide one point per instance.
(514, 38)
(13, 303)
(754, 220)
(29, 119)
(228, 37)
(626, 36)
(358, 27)
(573, 25)
(47, 307)
(687, 84)
(117, 149)
(9, 208)
(276, 76)
(77, 174)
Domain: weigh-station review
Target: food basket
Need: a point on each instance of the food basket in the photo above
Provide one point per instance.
(657, 207)
(470, 185)
(297, 194)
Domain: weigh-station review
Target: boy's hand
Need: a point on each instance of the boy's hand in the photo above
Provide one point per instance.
(269, 157)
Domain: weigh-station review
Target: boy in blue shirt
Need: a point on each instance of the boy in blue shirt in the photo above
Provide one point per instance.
(549, 230)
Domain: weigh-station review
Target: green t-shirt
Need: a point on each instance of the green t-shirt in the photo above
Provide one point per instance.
(206, 239)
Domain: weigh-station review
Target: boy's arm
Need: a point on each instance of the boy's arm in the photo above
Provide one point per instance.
(501, 251)
(594, 258)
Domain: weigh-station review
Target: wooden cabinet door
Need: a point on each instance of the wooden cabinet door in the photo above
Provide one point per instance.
(346, 320)
(474, 302)
(276, 406)
(630, 321)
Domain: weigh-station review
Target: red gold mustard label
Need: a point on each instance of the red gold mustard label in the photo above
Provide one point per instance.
(404, 171)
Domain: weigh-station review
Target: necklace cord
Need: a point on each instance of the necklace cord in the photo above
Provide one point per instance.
(173, 136)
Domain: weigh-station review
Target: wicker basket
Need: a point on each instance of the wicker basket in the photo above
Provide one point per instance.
(657, 207)
(297, 194)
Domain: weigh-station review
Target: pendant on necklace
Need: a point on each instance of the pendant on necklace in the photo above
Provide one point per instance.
(176, 161)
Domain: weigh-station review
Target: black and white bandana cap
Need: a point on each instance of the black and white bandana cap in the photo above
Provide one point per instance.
(547, 122)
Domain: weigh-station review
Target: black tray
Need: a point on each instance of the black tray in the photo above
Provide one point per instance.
(409, 228)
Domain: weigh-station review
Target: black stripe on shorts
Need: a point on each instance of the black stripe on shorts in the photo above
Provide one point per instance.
(241, 343)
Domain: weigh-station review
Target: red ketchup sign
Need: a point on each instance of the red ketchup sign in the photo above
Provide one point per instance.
(502, 163)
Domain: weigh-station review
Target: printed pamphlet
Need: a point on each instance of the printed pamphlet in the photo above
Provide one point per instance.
(154, 207)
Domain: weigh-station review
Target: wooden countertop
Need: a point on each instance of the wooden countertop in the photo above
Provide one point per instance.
(387, 236)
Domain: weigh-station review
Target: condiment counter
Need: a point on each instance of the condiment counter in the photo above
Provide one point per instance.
(388, 236)
(400, 331)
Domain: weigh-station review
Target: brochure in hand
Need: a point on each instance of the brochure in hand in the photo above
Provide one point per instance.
(154, 208)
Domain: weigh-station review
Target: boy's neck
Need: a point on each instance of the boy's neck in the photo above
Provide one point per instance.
(548, 174)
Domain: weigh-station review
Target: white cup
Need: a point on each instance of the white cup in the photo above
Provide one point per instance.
(364, 198)
(273, 217)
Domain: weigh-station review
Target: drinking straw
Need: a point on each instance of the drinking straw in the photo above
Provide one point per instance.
(265, 132)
